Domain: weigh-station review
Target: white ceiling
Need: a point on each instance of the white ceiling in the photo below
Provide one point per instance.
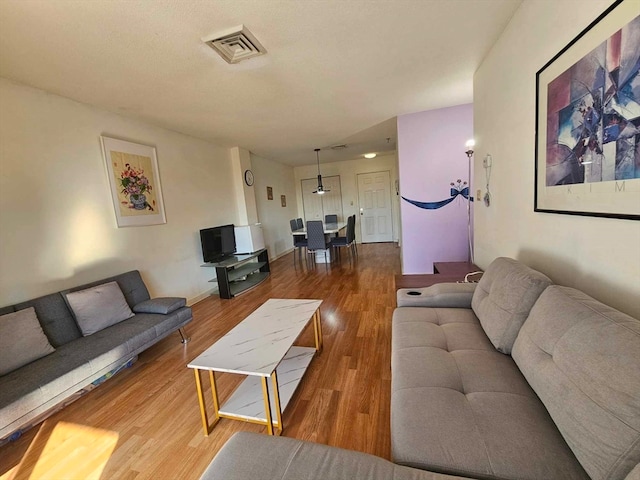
(336, 71)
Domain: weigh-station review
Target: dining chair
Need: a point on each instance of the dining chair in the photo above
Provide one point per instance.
(299, 241)
(300, 223)
(347, 241)
(331, 219)
(355, 244)
(316, 239)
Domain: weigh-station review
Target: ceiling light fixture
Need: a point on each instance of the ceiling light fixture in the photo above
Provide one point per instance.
(320, 190)
(370, 155)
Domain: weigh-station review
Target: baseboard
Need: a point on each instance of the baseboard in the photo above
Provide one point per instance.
(193, 300)
(286, 252)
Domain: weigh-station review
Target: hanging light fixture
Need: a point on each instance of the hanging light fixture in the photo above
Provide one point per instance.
(320, 190)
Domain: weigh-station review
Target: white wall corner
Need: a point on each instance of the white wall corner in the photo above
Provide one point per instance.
(245, 194)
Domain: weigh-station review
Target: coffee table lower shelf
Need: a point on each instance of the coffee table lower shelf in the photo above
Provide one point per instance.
(247, 401)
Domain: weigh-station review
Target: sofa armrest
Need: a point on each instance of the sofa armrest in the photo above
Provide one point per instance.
(162, 305)
(441, 295)
(263, 457)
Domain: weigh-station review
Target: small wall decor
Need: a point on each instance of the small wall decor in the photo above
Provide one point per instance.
(459, 188)
(135, 182)
(283, 200)
(587, 121)
(269, 193)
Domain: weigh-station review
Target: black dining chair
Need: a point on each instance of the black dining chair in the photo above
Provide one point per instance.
(300, 223)
(349, 240)
(316, 239)
(331, 218)
(299, 241)
(355, 244)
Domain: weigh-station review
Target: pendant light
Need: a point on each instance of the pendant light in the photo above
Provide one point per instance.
(320, 190)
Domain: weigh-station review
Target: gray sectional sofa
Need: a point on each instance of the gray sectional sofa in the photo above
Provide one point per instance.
(78, 358)
(512, 378)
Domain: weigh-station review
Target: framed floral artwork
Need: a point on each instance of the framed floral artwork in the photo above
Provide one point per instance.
(588, 121)
(134, 181)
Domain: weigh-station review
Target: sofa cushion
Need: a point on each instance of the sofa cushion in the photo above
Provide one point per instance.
(55, 317)
(21, 340)
(163, 305)
(459, 406)
(504, 296)
(130, 283)
(261, 457)
(582, 358)
(98, 307)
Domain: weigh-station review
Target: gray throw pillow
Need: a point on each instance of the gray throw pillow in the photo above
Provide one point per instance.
(22, 340)
(98, 307)
(163, 305)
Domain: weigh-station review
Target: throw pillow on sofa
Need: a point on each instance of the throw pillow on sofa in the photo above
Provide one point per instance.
(22, 340)
(98, 307)
(162, 305)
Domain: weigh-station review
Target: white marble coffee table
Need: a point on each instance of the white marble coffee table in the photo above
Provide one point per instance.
(261, 346)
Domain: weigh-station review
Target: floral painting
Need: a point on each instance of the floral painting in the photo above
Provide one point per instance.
(135, 183)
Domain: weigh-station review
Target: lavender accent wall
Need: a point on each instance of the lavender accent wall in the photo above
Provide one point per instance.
(431, 148)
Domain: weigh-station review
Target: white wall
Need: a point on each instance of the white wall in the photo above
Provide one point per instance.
(57, 225)
(348, 171)
(600, 256)
(273, 216)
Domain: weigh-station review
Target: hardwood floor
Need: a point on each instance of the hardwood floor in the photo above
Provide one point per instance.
(144, 423)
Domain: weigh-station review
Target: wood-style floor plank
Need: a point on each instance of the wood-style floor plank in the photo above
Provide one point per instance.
(150, 411)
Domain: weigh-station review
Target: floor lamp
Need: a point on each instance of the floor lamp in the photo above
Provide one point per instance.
(470, 144)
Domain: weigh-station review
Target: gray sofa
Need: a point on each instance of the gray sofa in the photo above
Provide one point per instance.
(30, 392)
(512, 378)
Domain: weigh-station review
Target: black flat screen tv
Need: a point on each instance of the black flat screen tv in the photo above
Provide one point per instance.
(217, 243)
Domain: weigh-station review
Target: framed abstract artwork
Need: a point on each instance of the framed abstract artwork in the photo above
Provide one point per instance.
(587, 158)
(134, 181)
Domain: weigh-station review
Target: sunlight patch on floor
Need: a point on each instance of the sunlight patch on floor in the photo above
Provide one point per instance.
(69, 451)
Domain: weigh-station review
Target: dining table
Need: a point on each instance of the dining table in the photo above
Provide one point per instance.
(329, 229)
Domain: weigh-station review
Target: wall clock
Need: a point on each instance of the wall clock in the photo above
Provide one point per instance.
(248, 177)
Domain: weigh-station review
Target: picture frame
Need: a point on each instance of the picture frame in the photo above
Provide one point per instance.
(587, 149)
(134, 182)
(269, 193)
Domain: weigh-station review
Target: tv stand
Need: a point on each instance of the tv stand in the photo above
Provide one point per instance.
(239, 273)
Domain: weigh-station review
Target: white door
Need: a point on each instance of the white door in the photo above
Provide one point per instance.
(311, 202)
(317, 206)
(374, 195)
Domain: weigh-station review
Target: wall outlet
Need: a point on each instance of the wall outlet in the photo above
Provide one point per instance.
(487, 161)
(478, 194)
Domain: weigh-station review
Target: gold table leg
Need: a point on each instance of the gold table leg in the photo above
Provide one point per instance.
(276, 394)
(317, 328)
(214, 394)
(203, 411)
(267, 405)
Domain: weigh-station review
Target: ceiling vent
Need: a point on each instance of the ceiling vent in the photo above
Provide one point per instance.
(339, 147)
(236, 45)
